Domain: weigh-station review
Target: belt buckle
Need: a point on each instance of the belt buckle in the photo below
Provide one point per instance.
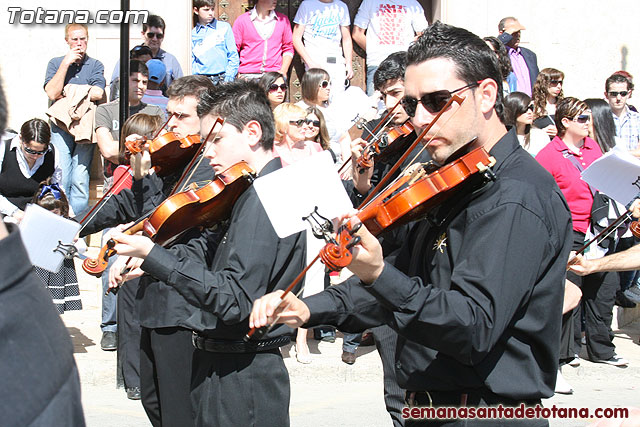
(194, 339)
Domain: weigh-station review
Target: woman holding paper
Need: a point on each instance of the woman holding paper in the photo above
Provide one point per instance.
(565, 157)
(26, 160)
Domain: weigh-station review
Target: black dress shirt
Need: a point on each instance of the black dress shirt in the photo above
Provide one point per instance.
(476, 291)
(248, 261)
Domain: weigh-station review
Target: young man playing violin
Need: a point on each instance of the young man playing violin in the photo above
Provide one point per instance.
(233, 382)
(164, 342)
(476, 291)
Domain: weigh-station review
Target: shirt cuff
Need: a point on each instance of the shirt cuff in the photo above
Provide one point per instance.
(159, 263)
(392, 287)
(288, 54)
(322, 309)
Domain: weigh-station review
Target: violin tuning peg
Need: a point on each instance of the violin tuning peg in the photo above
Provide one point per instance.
(353, 242)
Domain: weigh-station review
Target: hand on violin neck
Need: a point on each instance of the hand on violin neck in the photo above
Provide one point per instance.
(134, 246)
(271, 309)
(140, 164)
(361, 177)
(367, 262)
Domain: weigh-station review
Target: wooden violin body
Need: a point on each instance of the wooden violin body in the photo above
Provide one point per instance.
(382, 145)
(168, 151)
(182, 211)
(406, 200)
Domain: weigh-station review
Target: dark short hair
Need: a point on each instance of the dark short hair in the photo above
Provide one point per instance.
(392, 68)
(604, 128)
(569, 108)
(136, 66)
(310, 83)
(202, 3)
(239, 103)
(139, 51)
(49, 201)
(474, 60)
(618, 78)
(153, 21)
(36, 130)
(192, 85)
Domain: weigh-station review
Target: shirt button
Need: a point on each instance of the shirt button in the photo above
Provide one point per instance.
(398, 365)
(583, 164)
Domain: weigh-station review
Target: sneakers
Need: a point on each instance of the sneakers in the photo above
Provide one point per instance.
(109, 341)
(562, 386)
(633, 293)
(575, 362)
(623, 301)
(614, 360)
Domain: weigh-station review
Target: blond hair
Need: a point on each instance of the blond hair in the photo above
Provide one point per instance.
(282, 114)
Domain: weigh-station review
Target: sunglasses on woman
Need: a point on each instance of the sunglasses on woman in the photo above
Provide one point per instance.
(324, 84)
(529, 108)
(301, 122)
(433, 102)
(34, 152)
(274, 87)
(582, 118)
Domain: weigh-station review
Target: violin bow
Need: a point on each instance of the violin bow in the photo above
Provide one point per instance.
(384, 121)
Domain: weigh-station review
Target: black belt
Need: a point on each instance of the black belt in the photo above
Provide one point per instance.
(473, 398)
(219, 346)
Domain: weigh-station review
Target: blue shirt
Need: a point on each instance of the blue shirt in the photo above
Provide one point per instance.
(174, 71)
(89, 72)
(213, 50)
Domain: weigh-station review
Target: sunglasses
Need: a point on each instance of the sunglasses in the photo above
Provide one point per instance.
(529, 108)
(34, 152)
(582, 118)
(433, 102)
(274, 87)
(324, 84)
(151, 35)
(621, 93)
(555, 82)
(301, 122)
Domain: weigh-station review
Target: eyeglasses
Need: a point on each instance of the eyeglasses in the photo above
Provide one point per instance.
(582, 118)
(34, 152)
(621, 93)
(274, 87)
(555, 82)
(151, 35)
(324, 84)
(433, 102)
(530, 108)
(311, 122)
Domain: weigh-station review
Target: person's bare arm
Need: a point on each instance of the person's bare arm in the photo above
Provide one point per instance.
(298, 31)
(360, 37)
(55, 86)
(347, 49)
(109, 148)
(96, 93)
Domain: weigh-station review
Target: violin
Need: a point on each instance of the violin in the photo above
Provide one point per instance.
(168, 151)
(380, 146)
(183, 211)
(409, 198)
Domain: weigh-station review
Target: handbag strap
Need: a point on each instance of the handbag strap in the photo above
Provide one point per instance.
(572, 158)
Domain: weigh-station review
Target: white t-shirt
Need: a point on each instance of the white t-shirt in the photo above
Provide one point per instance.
(322, 22)
(391, 26)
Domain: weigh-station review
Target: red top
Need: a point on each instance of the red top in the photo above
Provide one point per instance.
(564, 171)
(126, 182)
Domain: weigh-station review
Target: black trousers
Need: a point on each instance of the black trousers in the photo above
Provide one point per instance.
(166, 357)
(129, 331)
(386, 339)
(598, 298)
(241, 389)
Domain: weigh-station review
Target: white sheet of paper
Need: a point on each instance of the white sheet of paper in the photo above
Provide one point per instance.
(292, 192)
(41, 231)
(616, 174)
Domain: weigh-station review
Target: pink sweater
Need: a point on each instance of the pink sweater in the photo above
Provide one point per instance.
(251, 46)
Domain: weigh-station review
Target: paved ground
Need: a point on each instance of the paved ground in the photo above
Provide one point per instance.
(327, 392)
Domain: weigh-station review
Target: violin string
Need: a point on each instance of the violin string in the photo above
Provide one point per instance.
(205, 149)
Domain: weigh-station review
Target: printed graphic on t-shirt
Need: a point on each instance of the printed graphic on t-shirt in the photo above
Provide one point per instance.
(326, 24)
(391, 19)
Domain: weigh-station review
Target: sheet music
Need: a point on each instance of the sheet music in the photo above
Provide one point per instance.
(293, 192)
(42, 233)
(616, 174)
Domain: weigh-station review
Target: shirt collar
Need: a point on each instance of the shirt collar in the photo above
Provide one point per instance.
(505, 147)
(559, 145)
(211, 24)
(254, 15)
(511, 50)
